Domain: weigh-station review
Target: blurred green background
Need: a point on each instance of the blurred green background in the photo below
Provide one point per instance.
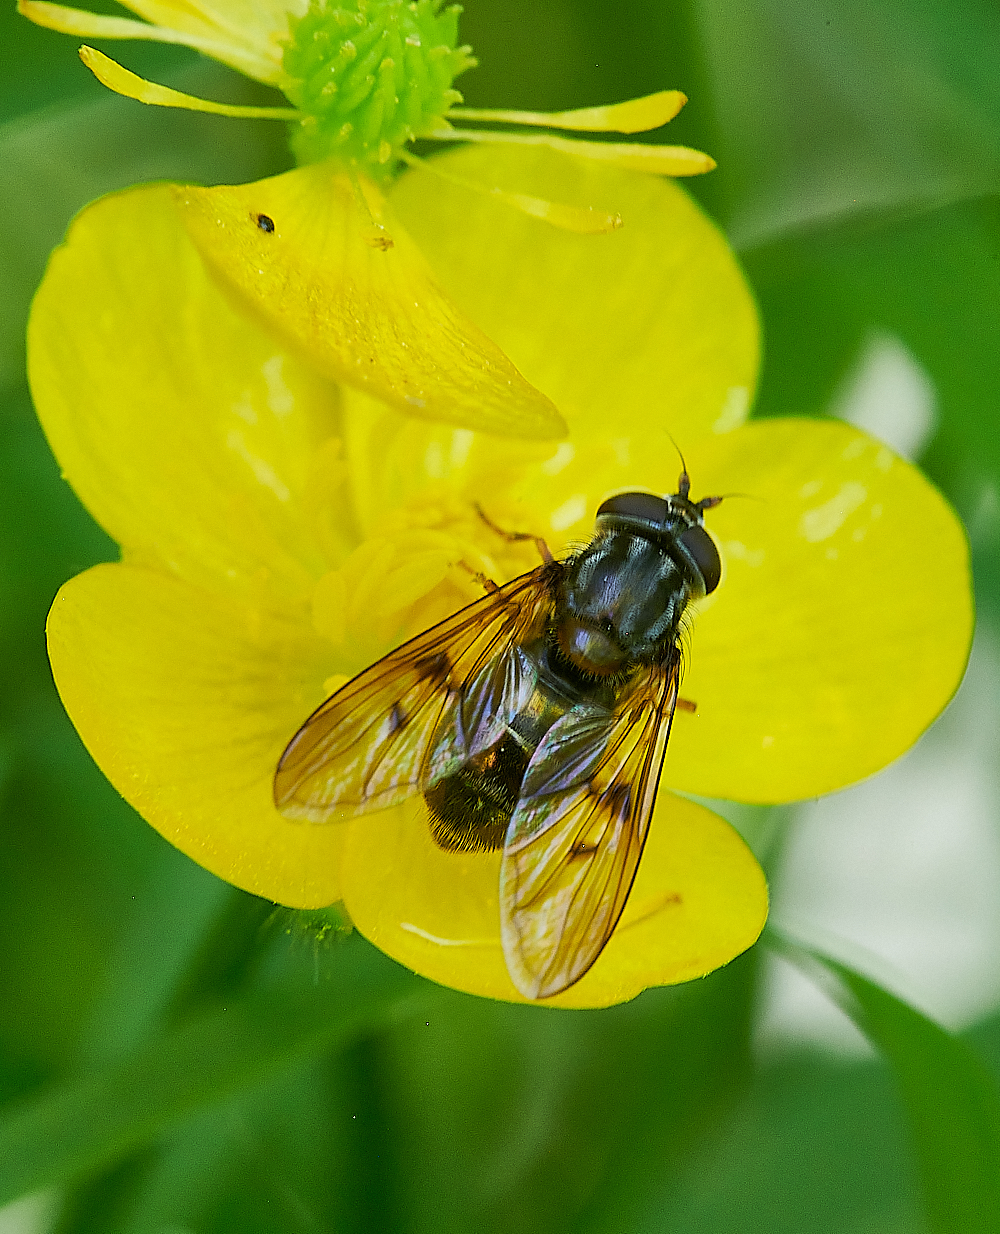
(173, 1057)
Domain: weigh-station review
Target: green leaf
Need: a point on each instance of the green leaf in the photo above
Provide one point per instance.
(505, 1117)
(95, 1119)
(830, 111)
(951, 1100)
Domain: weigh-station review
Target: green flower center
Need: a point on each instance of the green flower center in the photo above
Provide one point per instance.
(370, 76)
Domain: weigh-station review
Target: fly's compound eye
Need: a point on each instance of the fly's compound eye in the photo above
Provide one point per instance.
(704, 554)
(645, 506)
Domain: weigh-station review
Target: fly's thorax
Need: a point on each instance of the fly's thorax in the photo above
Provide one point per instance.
(622, 599)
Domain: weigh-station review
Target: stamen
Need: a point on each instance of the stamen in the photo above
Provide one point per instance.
(111, 74)
(376, 236)
(585, 220)
(654, 160)
(633, 116)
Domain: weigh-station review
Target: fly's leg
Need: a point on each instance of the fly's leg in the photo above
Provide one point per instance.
(513, 536)
(479, 577)
(685, 704)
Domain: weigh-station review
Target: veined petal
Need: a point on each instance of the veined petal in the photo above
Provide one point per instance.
(203, 38)
(259, 27)
(649, 328)
(186, 430)
(699, 899)
(186, 703)
(842, 623)
(354, 294)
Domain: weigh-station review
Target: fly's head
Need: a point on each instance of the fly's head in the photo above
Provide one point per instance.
(623, 596)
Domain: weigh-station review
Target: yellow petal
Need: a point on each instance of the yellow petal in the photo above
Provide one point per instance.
(111, 74)
(646, 329)
(632, 116)
(185, 429)
(186, 712)
(85, 24)
(256, 31)
(358, 299)
(699, 899)
(583, 219)
(842, 623)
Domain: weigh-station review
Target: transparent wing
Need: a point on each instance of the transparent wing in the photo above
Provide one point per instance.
(575, 839)
(420, 712)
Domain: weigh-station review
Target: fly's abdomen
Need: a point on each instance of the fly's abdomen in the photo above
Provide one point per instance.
(470, 810)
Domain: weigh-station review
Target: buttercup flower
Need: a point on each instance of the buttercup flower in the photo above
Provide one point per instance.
(279, 532)
(306, 250)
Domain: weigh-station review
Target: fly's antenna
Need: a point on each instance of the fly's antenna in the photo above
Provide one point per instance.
(684, 480)
(708, 503)
(684, 485)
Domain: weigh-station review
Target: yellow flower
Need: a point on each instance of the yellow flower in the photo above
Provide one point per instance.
(279, 532)
(308, 250)
(366, 77)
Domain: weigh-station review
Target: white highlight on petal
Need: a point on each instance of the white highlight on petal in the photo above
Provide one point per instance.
(568, 513)
(564, 455)
(263, 472)
(444, 942)
(736, 550)
(434, 460)
(245, 408)
(821, 522)
(279, 398)
(890, 395)
(734, 410)
(461, 444)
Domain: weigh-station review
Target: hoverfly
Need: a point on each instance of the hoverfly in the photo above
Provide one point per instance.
(534, 720)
